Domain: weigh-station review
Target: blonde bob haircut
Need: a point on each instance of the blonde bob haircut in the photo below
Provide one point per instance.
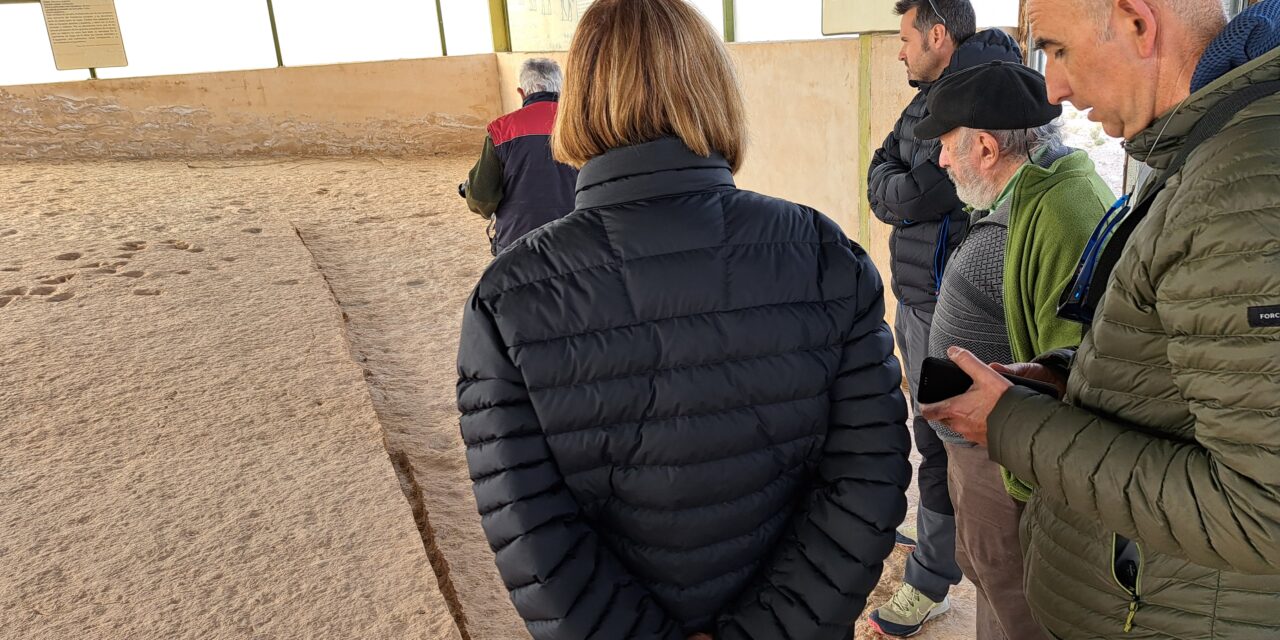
(639, 70)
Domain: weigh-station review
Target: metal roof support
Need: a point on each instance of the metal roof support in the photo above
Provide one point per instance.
(444, 47)
(275, 33)
(730, 21)
(501, 25)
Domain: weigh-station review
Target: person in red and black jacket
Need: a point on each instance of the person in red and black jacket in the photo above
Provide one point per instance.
(516, 185)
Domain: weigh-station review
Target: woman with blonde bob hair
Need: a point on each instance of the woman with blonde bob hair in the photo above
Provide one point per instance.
(680, 402)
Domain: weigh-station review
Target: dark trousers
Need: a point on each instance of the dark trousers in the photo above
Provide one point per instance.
(932, 566)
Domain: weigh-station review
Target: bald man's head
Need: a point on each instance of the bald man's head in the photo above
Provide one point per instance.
(1125, 61)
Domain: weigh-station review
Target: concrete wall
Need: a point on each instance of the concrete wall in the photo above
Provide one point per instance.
(816, 111)
(802, 119)
(406, 107)
(802, 115)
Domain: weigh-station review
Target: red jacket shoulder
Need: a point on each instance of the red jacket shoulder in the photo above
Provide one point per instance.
(536, 119)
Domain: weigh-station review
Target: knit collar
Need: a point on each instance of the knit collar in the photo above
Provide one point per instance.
(1043, 159)
(1248, 36)
(541, 96)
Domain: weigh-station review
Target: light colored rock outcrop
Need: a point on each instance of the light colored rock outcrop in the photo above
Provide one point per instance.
(189, 450)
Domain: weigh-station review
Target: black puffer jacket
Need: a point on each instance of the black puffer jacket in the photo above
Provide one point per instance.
(908, 189)
(682, 411)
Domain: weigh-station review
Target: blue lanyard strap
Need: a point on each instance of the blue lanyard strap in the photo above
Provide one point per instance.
(1106, 227)
(1112, 234)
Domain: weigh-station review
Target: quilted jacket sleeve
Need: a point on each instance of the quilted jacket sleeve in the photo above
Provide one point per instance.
(563, 581)
(818, 581)
(902, 194)
(1214, 500)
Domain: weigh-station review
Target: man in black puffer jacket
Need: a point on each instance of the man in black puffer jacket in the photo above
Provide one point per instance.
(910, 192)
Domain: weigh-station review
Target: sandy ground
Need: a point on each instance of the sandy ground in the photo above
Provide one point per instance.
(197, 450)
(958, 624)
(189, 450)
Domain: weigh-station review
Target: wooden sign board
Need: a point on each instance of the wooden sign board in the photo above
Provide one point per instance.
(85, 34)
(840, 17)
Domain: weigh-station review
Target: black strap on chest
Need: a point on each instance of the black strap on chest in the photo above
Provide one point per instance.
(1210, 124)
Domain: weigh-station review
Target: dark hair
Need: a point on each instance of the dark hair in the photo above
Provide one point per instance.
(957, 16)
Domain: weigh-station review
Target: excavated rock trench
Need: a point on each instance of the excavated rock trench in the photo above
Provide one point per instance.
(409, 350)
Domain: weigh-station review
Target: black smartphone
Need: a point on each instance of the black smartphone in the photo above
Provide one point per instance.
(943, 379)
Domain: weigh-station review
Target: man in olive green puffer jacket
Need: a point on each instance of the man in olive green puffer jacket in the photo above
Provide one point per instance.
(1156, 512)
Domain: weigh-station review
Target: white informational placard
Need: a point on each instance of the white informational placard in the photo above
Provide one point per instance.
(840, 17)
(85, 34)
(544, 25)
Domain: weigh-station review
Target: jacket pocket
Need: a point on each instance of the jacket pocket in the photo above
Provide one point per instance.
(1126, 570)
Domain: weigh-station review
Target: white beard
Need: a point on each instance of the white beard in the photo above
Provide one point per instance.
(972, 189)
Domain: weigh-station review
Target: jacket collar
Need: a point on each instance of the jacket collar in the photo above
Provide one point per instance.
(541, 96)
(1249, 35)
(1159, 143)
(663, 167)
(1046, 164)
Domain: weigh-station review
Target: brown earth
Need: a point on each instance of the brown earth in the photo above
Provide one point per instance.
(195, 430)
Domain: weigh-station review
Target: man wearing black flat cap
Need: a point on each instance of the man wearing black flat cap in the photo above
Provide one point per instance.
(908, 191)
(1035, 203)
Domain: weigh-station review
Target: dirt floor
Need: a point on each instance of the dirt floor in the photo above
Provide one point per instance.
(189, 449)
(199, 365)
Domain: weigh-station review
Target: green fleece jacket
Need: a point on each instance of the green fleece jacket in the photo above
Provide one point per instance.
(1053, 212)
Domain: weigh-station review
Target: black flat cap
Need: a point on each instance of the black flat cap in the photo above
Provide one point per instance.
(996, 96)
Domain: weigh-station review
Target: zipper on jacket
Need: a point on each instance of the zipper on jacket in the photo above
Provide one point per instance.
(1135, 598)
